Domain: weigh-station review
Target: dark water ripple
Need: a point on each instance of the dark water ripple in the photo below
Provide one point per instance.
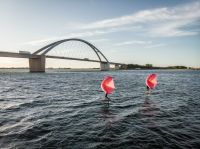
(68, 110)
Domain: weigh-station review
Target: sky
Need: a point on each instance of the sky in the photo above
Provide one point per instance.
(159, 32)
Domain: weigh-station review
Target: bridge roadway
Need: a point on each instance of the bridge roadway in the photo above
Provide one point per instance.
(16, 55)
(33, 56)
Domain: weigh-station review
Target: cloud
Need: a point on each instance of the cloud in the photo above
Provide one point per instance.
(99, 40)
(39, 42)
(71, 35)
(140, 17)
(171, 29)
(155, 45)
(134, 42)
(164, 22)
(142, 43)
(82, 34)
(158, 22)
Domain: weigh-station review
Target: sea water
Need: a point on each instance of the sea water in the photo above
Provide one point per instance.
(69, 110)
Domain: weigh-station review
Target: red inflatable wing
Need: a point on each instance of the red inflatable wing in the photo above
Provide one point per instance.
(107, 85)
(151, 81)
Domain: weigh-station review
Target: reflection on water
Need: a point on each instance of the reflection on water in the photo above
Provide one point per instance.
(148, 108)
(105, 110)
(149, 111)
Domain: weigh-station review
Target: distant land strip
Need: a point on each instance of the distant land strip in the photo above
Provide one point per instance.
(128, 67)
(150, 66)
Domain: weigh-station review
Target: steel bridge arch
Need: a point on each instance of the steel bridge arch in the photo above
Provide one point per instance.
(44, 50)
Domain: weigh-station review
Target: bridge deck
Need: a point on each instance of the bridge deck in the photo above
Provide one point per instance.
(16, 55)
(24, 55)
(79, 59)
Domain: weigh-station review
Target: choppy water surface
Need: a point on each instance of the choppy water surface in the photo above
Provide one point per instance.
(67, 110)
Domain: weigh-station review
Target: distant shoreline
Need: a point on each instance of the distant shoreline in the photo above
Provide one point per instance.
(94, 69)
(121, 67)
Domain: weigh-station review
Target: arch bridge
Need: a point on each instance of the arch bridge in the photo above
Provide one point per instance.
(37, 59)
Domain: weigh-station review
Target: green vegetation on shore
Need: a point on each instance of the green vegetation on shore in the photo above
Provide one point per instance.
(150, 66)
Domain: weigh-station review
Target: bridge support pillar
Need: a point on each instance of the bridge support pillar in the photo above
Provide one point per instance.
(116, 67)
(37, 64)
(104, 66)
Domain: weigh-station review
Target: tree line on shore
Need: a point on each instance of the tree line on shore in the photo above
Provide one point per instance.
(150, 66)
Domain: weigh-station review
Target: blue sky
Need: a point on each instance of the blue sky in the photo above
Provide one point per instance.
(162, 33)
